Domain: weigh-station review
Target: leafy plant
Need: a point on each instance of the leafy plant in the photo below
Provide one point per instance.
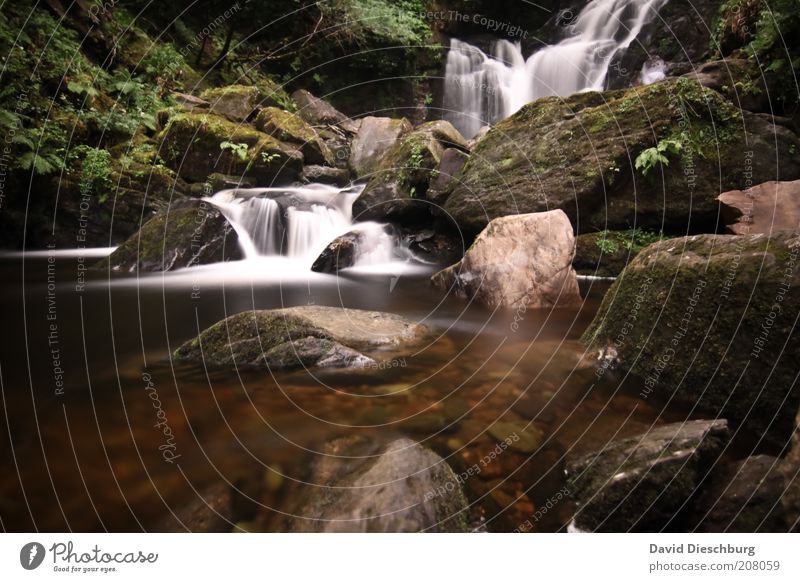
(239, 150)
(607, 245)
(651, 157)
(96, 171)
(269, 157)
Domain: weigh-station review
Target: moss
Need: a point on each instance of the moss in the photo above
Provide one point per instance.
(287, 126)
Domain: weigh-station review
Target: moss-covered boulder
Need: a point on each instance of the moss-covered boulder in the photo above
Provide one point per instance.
(266, 338)
(290, 127)
(189, 233)
(644, 483)
(710, 321)
(790, 469)
(361, 485)
(403, 175)
(581, 153)
(196, 145)
(243, 102)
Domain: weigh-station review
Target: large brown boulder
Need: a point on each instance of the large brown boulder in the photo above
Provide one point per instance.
(290, 127)
(521, 262)
(375, 137)
(579, 154)
(765, 208)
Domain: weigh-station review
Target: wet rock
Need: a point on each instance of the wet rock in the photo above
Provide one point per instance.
(375, 137)
(578, 154)
(339, 254)
(739, 80)
(744, 498)
(399, 487)
(521, 436)
(314, 351)
(790, 468)
(326, 175)
(765, 208)
(189, 233)
(452, 161)
(249, 338)
(520, 262)
(643, 483)
(709, 322)
(289, 127)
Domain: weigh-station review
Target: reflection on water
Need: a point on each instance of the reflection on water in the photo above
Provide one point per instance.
(133, 438)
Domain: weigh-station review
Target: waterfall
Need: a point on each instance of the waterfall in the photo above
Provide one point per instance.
(482, 89)
(297, 223)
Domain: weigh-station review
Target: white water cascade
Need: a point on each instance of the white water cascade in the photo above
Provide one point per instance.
(295, 224)
(482, 89)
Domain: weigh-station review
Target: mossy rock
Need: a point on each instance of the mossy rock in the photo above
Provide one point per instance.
(243, 102)
(251, 338)
(645, 483)
(189, 233)
(709, 321)
(192, 145)
(290, 127)
(404, 174)
(578, 154)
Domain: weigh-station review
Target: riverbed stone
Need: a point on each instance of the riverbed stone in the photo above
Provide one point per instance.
(642, 483)
(709, 321)
(317, 111)
(578, 154)
(188, 233)
(519, 262)
(340, 253)
(453, 159)
(397, 486)
(288, 338)
(242, 102)
(764, 208)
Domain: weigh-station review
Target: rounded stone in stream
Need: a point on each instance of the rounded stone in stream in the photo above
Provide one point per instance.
(339, 254)
(357, 485)
(521, 436)
(646, 482)
(305, 335)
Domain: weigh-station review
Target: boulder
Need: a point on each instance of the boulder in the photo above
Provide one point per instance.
(790, 468)
(403, 176)
(358, 485)
(578, 154)
(375, 137)
(317, 111)
(452, 161)
(739, 80)
(194, 145)
(709, 321)
(267, 338)
(645, 483)
(188, 233)
(290, 127)
(190, 101)
(326, 175)
(242, 102)
(339, 254)
(765, 208)
(744, 498)
(520, 262)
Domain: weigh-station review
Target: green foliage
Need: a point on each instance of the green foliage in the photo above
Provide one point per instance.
(269, 157)
(416, 157)
(651, 157)
(633, 240)
(95, 173)
(239, 150)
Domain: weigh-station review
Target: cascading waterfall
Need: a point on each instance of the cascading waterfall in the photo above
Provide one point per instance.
(297, 223)
(482, 89)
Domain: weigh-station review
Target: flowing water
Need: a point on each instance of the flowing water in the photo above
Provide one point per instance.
(88, 387)
(482, 89)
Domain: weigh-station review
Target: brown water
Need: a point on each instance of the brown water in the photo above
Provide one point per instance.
(89, 459)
